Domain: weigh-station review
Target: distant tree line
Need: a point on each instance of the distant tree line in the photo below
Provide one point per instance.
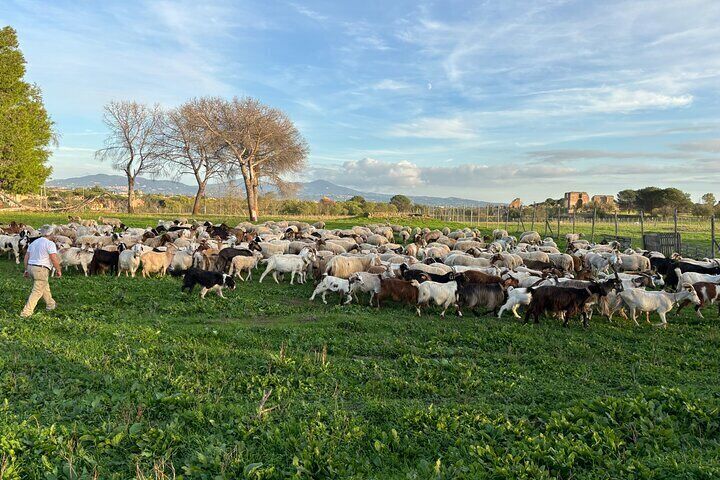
(269, 203)
(651, 200)
(665, 201)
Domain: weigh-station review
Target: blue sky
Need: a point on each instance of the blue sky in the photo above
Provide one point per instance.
(485, 100)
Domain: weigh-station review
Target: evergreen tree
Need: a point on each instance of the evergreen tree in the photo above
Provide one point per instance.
(25, 127)
(402, 203)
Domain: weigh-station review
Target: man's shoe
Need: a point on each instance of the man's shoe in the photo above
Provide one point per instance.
(50, 309)
(25, 315)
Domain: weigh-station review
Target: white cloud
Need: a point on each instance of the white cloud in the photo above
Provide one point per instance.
(437, 128)
(312, 14)
(624, 100)
(310, 105)
(375, 174)
(371, 173)
(389, 84)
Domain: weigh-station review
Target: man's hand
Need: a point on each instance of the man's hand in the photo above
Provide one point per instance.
(56, 263)
(26, 274)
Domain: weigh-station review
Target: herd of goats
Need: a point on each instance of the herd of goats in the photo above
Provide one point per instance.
(462, 269)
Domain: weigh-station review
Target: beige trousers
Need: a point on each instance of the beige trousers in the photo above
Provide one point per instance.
(41, 289)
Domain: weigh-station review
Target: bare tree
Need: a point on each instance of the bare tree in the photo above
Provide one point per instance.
(261, 142)
(191, 149)
(132, 144)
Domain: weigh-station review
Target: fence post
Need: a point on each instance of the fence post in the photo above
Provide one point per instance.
(592, 235)
(532, 223)
(616, 226)
(642, 228)
(712, 236)
(507, 218)
(573, 223)
(498, 223)
(558, 222)
(487, 216)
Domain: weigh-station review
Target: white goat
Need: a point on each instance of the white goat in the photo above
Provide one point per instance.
(333, 284)
(288, 263)
(129, 261)
(516, 297)
(182, 260)
(241, 263)
(441, 294)
(76, 257)
(365, 282)
(693, 277)
(661, 302)
(12, 244)
(600, 262)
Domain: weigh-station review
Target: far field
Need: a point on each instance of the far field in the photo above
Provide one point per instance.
(129, 378)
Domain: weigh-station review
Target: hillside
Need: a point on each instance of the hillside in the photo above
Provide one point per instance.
(313, 190)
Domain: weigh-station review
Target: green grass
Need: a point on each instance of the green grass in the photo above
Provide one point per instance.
(142, 220)
(129, 377)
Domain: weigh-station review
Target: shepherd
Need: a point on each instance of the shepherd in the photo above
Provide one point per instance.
(40, 258)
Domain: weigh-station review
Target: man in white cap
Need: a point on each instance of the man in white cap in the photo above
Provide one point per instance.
(40, 257)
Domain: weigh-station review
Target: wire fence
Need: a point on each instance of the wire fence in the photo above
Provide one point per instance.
(696, 236)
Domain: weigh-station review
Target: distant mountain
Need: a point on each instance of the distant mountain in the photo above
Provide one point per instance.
(118, 183)
(319, 188)
(307, 191)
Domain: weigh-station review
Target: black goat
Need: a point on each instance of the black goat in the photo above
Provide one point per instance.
(103, 260)
(421, 276)
(227, 254)
(568, 301)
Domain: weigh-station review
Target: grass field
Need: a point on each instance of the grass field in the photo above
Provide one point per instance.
(129, 378)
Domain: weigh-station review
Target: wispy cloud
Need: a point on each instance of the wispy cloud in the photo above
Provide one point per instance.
(568, 155)
(611, 100)
(390, 84)
(365, 36)
(435, 128)
(311, 14)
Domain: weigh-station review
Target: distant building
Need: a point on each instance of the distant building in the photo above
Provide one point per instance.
(576, 200)
(517, 203)
(608, 200)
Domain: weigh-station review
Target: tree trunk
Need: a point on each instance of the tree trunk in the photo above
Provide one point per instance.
(198, 197)
(256, 196)
(250, 193)
(131, 194)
